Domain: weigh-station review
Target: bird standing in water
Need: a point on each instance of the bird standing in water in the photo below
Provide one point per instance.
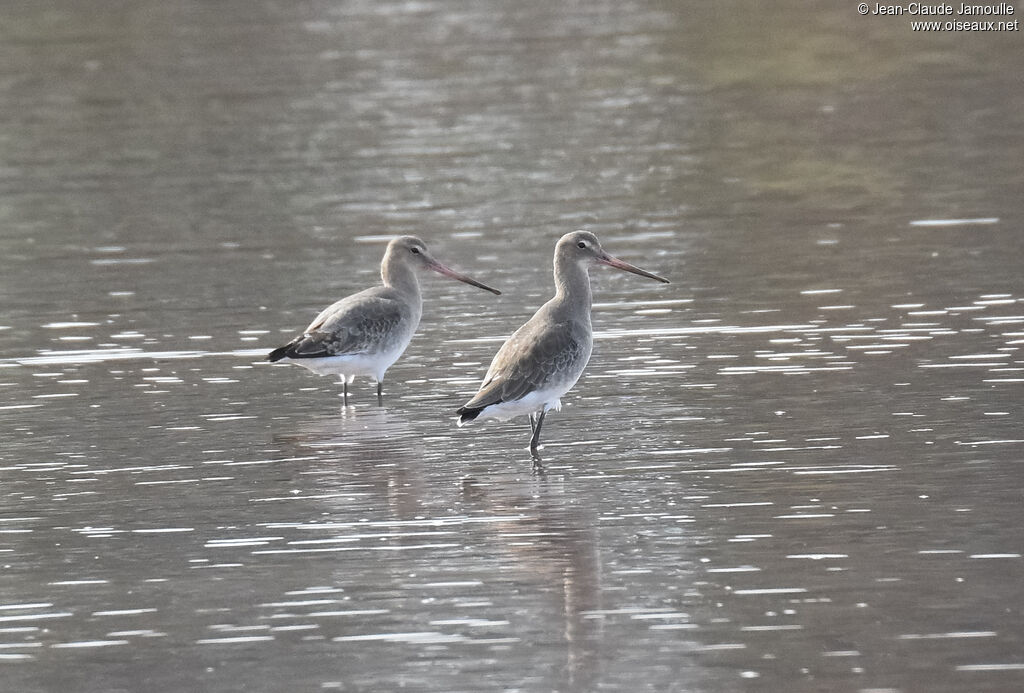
(363, 334)
(544, 358)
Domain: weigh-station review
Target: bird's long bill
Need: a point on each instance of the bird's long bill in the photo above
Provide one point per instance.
(619, 264)
(449, 272)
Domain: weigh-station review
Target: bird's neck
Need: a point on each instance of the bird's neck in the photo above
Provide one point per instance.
(400, 276)
(572, 287)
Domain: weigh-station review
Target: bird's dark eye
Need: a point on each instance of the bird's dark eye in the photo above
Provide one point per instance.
(415, 251)
(581, 244)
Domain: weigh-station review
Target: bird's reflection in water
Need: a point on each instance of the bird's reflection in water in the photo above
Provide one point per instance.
(537, 463)
(369, 449)
(553, 542)
(536, 525)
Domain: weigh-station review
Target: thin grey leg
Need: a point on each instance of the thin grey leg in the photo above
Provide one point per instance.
(380, 394)
(535, 440)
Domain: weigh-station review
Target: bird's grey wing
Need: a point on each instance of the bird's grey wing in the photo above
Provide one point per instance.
(532, 360)
(349, 327)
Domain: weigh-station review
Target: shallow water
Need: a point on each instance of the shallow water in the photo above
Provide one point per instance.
(795, 468)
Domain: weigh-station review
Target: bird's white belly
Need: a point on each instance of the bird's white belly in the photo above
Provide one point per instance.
(531, 403)
(348, 366)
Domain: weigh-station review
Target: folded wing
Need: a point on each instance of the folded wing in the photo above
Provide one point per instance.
(531, 360)
(353, 325)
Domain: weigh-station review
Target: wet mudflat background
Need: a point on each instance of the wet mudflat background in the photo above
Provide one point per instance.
(796, 468)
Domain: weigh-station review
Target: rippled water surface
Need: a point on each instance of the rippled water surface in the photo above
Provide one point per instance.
(798, 467)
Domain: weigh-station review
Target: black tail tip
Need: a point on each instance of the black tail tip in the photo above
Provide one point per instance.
(466, 414)
(277, 354)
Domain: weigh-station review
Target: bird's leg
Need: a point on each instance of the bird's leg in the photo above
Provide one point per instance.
(538, 465)
(380, 394)
(536, 431)
(344, 391)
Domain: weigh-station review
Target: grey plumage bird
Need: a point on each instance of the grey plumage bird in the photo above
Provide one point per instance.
(545, 357)
(365, 333)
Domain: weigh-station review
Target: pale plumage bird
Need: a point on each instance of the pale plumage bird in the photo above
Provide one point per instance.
(365, 333)
(544, 358)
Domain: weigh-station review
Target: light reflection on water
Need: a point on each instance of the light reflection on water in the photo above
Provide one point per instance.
(795, 468)
(681, 515)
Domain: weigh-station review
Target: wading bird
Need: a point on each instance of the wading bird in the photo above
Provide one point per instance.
(544, 358)
(363, 334)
